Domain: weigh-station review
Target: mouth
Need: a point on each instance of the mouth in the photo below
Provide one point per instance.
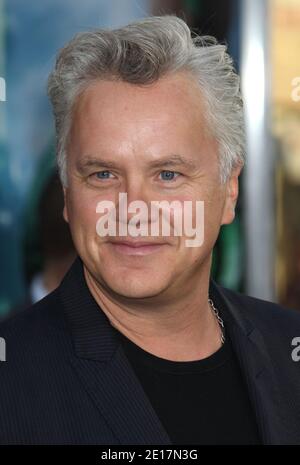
(136, 247)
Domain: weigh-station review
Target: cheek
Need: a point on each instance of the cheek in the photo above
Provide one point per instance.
(214, 205)
(212, 208)
(187, 259)
(212, 224)
(198, 216)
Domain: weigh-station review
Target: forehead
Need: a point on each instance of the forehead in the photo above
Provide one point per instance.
(171, 98)
(119, 119)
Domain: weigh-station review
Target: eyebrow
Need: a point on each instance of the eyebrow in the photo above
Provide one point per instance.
(174, 160)
(88, 162)
(170, 161)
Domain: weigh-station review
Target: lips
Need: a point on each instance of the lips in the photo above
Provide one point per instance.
(136, 248)
(137, 243)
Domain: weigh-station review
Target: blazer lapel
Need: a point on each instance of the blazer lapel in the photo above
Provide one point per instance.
(121, 400)
(257, 369)
(103, 368)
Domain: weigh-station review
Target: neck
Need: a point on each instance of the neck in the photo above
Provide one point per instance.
(180, 329)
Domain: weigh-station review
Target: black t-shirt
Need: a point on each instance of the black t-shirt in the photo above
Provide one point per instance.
(198, 402)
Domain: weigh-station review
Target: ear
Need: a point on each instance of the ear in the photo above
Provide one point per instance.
(232, 192)
(65, 209)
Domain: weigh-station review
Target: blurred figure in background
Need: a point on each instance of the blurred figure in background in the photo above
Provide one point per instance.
(56, 242)
(52, 243)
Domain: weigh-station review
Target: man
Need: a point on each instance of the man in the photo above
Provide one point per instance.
(138, 345)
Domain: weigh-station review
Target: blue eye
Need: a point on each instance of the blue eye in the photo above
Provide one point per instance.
(169, 175)
(103, 174)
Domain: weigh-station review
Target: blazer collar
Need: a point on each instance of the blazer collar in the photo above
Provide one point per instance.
(95, 339)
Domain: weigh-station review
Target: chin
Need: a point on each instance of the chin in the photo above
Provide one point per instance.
(139, 293)
(136, 287)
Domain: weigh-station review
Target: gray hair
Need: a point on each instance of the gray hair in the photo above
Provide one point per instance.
(141, 53)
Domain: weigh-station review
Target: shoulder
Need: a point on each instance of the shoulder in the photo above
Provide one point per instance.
(264, 314)
(36, 375)
(277, 330)
(35, 328)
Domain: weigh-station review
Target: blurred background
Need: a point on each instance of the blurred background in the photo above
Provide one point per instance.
(259, 253)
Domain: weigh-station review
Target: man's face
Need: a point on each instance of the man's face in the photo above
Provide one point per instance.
(153, 143)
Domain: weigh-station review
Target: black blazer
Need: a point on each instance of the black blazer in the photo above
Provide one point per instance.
(66, 378)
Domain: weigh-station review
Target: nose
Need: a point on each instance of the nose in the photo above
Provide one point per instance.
(136, 189)
(137, 200)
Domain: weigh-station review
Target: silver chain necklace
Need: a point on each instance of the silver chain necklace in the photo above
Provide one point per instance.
(219, 320)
